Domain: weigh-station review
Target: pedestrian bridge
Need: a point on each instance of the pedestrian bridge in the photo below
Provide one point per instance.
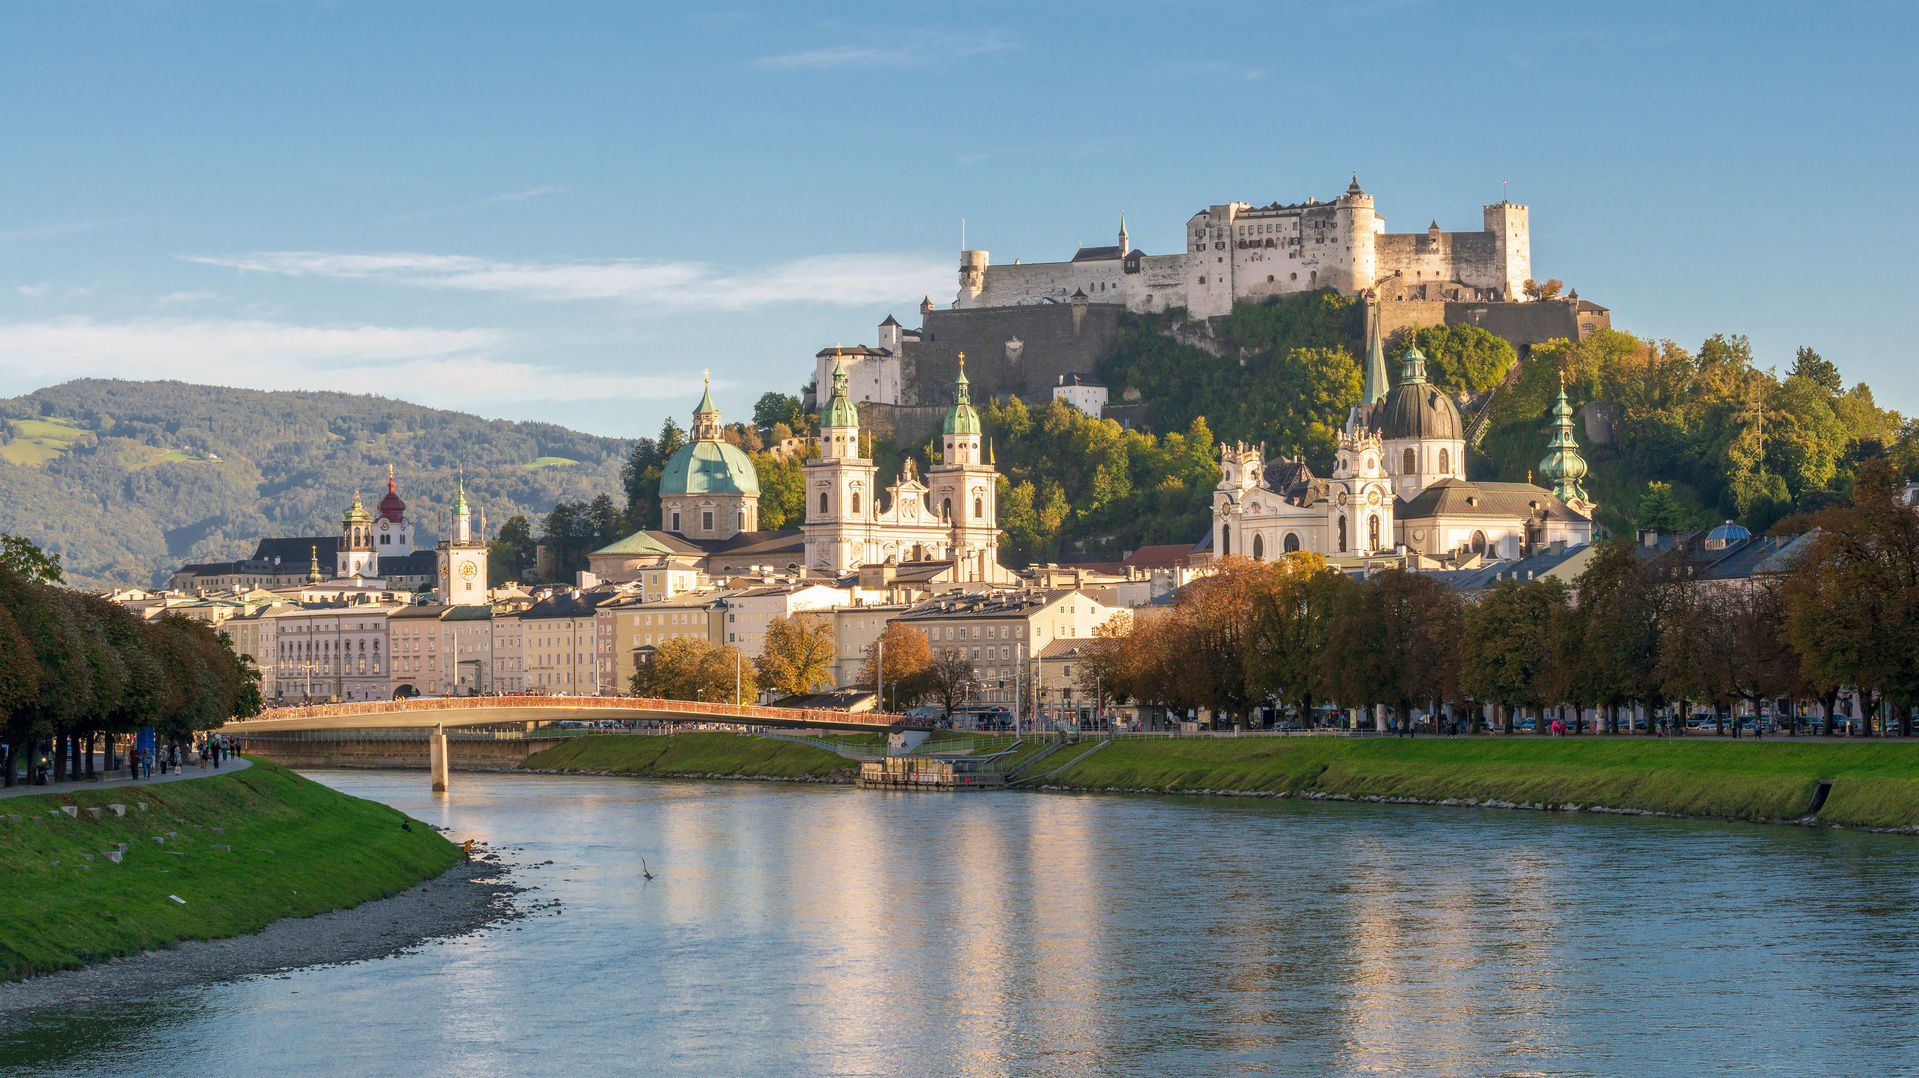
(525, 712)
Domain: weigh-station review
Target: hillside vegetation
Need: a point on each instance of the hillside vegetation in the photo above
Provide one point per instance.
(1687, 437)
(127, 480)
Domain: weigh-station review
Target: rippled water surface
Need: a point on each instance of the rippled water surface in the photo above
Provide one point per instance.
(800, 930)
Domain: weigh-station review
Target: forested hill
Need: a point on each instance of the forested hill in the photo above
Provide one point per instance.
(126, 480)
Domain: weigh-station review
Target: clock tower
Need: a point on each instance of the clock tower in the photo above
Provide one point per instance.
(462, 560)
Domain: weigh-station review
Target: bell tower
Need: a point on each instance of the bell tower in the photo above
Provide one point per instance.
(965, 486)
(356, 557)
(840, 509)
(462, 559)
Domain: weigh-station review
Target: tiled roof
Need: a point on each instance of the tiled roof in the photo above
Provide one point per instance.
(1460, 498)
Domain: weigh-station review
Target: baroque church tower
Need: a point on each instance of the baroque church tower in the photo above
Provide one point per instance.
(463, 559)
(356, 556)
(953, 516)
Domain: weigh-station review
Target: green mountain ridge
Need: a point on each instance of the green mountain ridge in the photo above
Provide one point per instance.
(126, 480)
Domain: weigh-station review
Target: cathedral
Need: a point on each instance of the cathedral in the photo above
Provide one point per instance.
(952, 516)
(1399, 485)
(947, 523)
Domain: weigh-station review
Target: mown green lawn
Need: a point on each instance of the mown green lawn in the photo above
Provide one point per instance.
(1876, 782)
(297, 848)
(692, 754)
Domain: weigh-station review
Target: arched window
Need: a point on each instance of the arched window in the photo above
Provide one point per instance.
(1407, 463)
(1292, 543)
(1372, 532)
(1479, 542)
(1259, 547)
(856, 501)
(1225, 540)
(979, 509)
(1445, 463)
(822, 503)
(946, 510)
(1342, 535)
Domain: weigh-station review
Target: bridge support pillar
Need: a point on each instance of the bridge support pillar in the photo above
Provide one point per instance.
(436, 742)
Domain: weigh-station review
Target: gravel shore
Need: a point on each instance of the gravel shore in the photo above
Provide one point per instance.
(466, 898)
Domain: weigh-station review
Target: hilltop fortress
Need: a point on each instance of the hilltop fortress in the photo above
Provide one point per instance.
(1033, 328)
(1242, 253)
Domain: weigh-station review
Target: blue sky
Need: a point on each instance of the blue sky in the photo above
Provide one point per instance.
(567, 211)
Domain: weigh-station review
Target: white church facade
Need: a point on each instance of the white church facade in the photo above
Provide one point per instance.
(1398, 485)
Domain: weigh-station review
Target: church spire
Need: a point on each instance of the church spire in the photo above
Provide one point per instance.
(706, 417)
(313, 566)
(839, 411)
(1377, 383)
(962, 419)
(1563, 465)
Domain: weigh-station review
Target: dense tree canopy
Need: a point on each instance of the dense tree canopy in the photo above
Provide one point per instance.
(75, 666)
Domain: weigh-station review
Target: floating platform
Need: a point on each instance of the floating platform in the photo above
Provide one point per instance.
(930, 773)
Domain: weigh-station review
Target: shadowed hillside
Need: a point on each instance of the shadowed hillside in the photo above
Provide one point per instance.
(126, 480)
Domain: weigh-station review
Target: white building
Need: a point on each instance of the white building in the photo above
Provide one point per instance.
(750, 610)
(1236, 251)
(1082, 391)
(952, 517)
(1399, 483)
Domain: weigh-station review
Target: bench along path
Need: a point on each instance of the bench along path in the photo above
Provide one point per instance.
(192, 771)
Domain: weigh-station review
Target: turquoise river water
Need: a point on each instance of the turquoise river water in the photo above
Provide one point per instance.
(796, 930)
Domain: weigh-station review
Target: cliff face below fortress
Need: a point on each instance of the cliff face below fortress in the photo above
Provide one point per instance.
(1024, 350)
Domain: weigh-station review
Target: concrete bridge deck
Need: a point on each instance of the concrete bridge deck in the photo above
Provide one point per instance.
(440, 714)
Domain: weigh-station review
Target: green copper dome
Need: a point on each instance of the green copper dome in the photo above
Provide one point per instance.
(459, 499)
(962, 419)
(709, 467)
(358, 514)
(839, 411)
(707, 407)
(1562, 465)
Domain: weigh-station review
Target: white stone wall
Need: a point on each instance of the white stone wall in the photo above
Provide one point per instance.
(868, 378)
(1235, 251)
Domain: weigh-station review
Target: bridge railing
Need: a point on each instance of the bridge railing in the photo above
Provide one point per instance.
(746, 713)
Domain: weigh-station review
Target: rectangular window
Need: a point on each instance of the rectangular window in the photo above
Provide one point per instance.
(706, 520)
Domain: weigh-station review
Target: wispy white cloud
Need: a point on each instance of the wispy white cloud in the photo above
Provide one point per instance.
(920, 50)
(63, 228)
(50, 289)
(849, 279)
(492, 200)
(443, 367)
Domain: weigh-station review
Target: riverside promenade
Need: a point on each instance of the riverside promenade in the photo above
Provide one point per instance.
(232, 764)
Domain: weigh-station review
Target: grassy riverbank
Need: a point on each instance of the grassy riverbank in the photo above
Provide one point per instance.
(1876, 782)
(293, 848)
(693, 755)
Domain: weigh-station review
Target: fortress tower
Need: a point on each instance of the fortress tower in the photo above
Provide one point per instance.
(1511, 226)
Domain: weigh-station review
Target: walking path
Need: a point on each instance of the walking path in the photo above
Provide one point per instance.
(232, 764)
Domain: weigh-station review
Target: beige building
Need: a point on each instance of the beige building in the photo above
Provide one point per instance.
(638, 628)
(855, 630)
(750, 610)
(1000, 632)
(331, 653)
(558, 640)
(413, 647)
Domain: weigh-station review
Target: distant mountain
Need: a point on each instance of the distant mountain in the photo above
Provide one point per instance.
(126, 480)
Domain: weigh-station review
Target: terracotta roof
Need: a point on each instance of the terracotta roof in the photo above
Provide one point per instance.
(1166, 556)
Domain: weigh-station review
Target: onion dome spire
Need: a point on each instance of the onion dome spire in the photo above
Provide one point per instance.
(313, 566)
(1562, 465)
(839, 410)
(962, 419)
(357, 514)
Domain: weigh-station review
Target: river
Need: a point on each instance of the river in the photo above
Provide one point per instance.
(807, 930)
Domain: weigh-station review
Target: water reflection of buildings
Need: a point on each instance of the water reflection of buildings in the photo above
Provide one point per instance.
(1451, 955)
